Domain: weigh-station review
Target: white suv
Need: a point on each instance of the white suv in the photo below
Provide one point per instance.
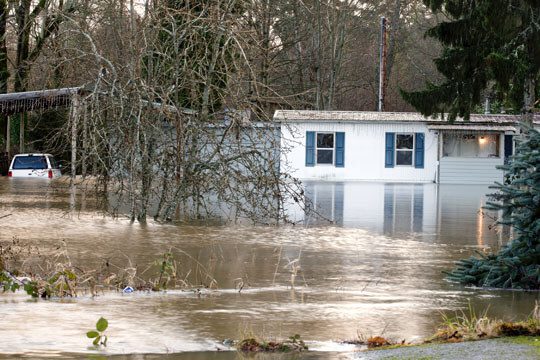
(34, 165)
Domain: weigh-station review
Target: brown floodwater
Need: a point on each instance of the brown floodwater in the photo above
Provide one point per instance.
(376, 268)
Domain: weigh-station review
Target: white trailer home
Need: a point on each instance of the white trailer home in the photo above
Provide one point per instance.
(395, 147)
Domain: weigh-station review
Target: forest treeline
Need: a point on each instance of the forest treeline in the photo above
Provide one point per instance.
(300, 54)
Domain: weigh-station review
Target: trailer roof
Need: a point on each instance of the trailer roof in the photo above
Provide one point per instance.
(368, 116)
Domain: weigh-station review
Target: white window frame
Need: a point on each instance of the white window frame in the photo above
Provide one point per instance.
(412, 151)
(318, 148)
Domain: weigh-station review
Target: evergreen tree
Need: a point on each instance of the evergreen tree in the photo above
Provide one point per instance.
(491, 45)
(517, 264)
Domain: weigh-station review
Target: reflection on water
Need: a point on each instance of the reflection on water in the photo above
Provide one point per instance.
(403, 209)
(429, 212)
(377, 267)
(326, 200)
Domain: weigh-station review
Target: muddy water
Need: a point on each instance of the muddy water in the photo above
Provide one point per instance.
(375, 267)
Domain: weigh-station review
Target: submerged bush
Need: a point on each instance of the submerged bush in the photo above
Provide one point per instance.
(51, 274)
(293, 344)
(517, 264)
(377, 341)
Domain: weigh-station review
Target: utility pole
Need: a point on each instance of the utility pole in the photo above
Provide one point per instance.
(382, 65)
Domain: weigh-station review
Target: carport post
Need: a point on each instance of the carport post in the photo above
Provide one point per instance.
(21, 132)
(75, 108)
(8, 136)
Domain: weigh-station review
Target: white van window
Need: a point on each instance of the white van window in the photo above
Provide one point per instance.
(54, 164)
(30, 162)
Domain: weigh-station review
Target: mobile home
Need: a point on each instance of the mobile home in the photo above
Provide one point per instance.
(395, 147)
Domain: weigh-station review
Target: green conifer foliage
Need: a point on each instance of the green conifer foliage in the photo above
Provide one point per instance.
(517, 264)
(489, 45)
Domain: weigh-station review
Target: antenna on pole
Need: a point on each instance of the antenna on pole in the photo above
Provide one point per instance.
(382, 64)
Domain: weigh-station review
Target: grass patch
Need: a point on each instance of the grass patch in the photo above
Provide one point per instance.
(467, 326)
(470, 326)
(533, 341)
(410, 358)
(292, 344)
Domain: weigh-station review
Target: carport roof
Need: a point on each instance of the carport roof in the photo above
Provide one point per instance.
(13, 103)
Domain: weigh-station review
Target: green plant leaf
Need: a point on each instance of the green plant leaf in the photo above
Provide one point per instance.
(92, 334)
(105, 338)
(31, 289)
(102, 324)
(96, 341)
(70, 275)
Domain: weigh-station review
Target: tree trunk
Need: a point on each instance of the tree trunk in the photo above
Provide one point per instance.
(26, 18)
(265, 61)
(4, 71)
(23, 44)
(338, 43)
(394, 28)
(300, 86)
(528, 101)
(319, 55)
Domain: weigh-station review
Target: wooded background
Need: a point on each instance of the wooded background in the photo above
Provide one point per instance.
(300, 54)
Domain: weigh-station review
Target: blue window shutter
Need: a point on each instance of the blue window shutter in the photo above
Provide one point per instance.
(390, 147)
(419, 151)
(310, 148)
(340, 149)
(508, 147)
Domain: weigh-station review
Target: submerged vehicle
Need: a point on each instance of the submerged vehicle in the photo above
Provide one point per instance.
(34, 165)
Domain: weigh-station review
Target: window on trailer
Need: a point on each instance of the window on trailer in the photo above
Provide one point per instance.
(325, 148)
(471, 145)
(404, 149)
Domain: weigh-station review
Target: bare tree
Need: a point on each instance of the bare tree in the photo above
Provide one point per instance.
(167, 121)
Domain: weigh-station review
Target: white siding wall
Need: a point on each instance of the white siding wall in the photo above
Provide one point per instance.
(470, 171)
(364, 152)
